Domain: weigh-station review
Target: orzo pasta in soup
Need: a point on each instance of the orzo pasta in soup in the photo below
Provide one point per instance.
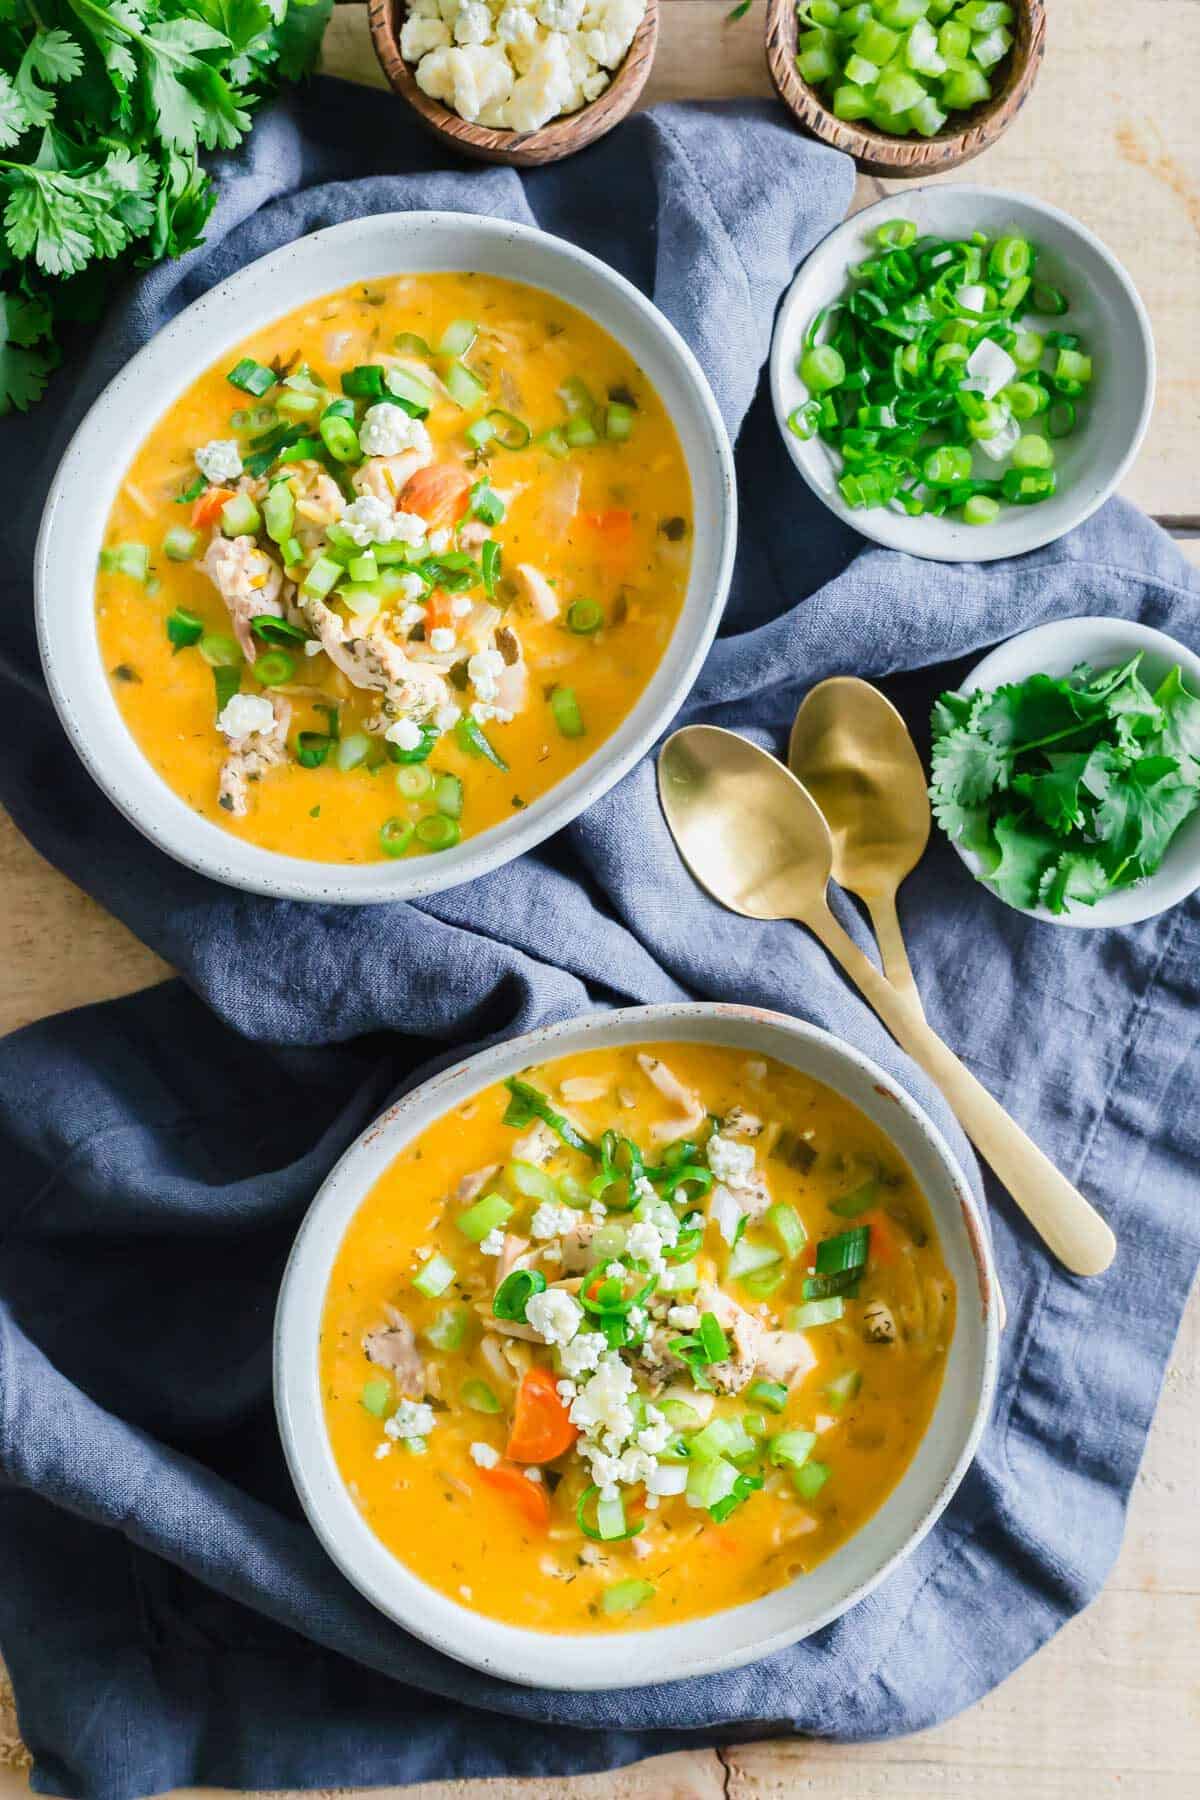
(640, 1335)
(395, 566)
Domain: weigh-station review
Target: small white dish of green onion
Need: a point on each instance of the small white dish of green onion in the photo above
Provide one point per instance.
(962, 373)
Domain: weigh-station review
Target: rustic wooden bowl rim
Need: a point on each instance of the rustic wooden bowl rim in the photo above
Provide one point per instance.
(877, 152)
(561, 137)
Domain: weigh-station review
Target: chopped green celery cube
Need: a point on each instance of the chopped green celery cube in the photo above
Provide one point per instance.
(901, 13)
(954, 40)
(351, 750)
(322, 578)
(679, 1278)
(985, 15)
(964, 88)
(921, 50)
(610, 1518)
(376, 1396)
(991, 47)
(721, 1437)
(533, 1182)
(710, 1480)
(850, 102)
(817, 66)
(791, 1449)
(180, 544)
(627, 1596)
(817, 1312)
(487, 1213)
(449, 1330)
(897, 90)
(859, 71)
(843, 1389)
(817, 40)
(809, 1480)
(878, 44)
(434, 1276)
(479, 1397)
(240, 517)
(747, 1257)
(364, 568)
(927, 118)
(788, 1227)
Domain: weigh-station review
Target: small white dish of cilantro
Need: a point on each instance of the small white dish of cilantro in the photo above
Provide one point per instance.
(1066, 771)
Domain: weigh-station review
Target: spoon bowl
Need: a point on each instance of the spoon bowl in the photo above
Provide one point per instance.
(853, 752)
(744, 826)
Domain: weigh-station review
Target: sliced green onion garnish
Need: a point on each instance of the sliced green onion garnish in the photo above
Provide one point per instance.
(184, 628)
(580, 433)
(567, 716)
(618, 421)
(771, 1394)
(252, 377)
(858, 1200)
(486, 504)
(437, 832)
(277, 631)
(339, 436)
(227, 679)
(508, 430)
(470, 737)
(409, 344)
(414, 781)
(527, 1103)
(448, 796)
(279, 512)
(274, 668)
(312, 748)
(365, 382)
(584, 617)
(219, 650)
(515, 1293)
(489, 561)
(395, 835)
(609, 1526)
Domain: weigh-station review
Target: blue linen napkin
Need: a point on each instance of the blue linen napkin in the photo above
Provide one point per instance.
(166, 1615)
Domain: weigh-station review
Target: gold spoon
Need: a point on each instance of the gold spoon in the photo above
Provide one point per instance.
(755, 838)
(852, 750)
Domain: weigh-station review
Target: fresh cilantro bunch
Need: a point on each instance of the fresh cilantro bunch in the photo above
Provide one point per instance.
(104, 110)
(1067, 789)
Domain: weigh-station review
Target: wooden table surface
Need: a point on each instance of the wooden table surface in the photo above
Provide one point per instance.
(1112, 1706)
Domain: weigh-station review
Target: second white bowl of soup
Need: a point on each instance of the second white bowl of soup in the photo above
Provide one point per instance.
(419, 543)
(674, 1312)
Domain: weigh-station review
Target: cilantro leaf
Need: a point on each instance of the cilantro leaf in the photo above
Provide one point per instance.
(1180, 735)
(55, 56)
(23, 376)
(296, 37)
(14, 118)
(1025, 850)
(1073, 877)
(967, 766)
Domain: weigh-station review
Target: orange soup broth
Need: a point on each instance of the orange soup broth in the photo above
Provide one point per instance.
(450, 1528)
(612, 549)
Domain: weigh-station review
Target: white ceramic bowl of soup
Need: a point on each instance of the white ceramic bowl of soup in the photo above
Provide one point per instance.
(1106, 311)
(740, 1634)
(93, 466)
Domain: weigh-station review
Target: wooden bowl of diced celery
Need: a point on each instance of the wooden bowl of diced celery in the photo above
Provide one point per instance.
(906, 87)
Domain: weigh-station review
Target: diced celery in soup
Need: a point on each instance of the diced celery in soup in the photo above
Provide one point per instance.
(394, 567)
(640, 1335)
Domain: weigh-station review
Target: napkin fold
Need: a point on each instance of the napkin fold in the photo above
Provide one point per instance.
(167, 1616)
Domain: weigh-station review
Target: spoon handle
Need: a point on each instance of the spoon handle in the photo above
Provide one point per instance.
(1072, 1227)
(896, 966)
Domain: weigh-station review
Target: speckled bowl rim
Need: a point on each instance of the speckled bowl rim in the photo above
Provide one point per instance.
(1018, 529)
(738, 1635)
(100, 451)
(1054, 649)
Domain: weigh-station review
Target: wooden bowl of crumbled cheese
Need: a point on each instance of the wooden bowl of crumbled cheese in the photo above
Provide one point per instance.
(516, 81)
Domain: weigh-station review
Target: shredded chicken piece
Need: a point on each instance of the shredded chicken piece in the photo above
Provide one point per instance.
(491, 1352)
(686, 1100)
(473, 1184)
(576, 1246)
(740, 1123)
(251, 756)
(512, 1256)
(249, 583)
(394, 1347)
(384, 476)
(536, 592)
(583, 1087)
(537, 1146)
(372, 660)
